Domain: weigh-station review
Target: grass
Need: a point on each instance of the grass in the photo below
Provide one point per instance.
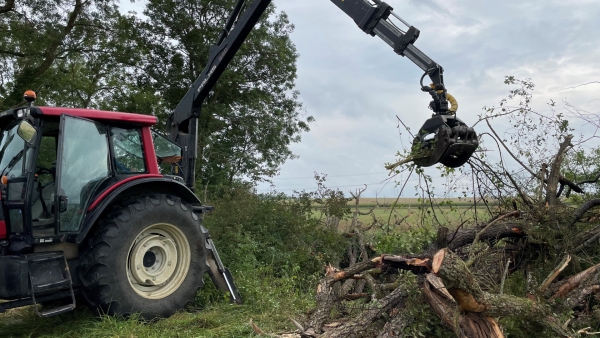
(270, 310)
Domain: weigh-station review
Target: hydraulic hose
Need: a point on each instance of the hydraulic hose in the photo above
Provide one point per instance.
(453, 104)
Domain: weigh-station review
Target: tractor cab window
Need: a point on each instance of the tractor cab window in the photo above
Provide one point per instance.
(128, 150)
(44, 186)
(167, 152)
(83, 165)
(14, 156)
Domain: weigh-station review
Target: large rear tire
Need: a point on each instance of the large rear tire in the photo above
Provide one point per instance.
(147, 255)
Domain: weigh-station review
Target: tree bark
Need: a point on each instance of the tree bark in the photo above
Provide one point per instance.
(554, 176)
(583, 209)
(470, 298)
(466, 325)
(362, 323)
(495, 232)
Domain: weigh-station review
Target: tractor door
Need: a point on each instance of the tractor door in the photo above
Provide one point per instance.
(83, 163)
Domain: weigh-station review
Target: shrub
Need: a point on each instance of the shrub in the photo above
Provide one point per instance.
(271, 232)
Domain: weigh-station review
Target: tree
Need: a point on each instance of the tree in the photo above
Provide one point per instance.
(253, 114)
(65, 50)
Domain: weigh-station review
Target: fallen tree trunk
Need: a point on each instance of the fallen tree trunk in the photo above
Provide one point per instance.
(471, 299)
(449, 287)
(469, 325)
(495, 232)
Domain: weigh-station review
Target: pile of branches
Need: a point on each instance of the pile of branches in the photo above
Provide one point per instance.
(463, 273)
(462, 300)
(532, 268)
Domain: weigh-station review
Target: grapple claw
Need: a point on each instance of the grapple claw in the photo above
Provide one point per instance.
(444, 139)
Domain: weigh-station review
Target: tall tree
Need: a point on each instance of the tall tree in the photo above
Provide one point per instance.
(60, 48)
(253, 114)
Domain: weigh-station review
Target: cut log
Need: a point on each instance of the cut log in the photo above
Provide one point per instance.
(470, 325)
(362, 323)
(470, 298)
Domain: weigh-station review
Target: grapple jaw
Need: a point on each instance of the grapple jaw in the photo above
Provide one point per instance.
(444, 139)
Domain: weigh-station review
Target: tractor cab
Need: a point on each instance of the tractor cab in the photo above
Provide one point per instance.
(55, 164)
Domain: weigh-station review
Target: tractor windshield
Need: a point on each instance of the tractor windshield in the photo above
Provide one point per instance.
(12, 151)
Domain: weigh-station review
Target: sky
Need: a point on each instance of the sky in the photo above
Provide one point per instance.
(356, 87)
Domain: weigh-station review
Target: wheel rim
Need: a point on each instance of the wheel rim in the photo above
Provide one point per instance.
(158, 261)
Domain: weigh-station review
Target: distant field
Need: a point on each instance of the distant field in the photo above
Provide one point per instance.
(408, 201)
(414, 212)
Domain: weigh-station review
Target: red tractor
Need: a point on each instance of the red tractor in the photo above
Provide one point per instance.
(86, 208)
(97, 203)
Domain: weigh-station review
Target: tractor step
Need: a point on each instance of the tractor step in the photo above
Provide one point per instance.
(64, 283)
(48, 274)
(57, 310)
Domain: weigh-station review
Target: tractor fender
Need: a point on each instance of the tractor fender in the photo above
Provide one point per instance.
(134, 187)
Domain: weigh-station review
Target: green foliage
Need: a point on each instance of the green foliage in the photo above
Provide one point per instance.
(412, 241)
(583, 165)
(68, 51)
(253, 114)
(254, 232)
(332, 205)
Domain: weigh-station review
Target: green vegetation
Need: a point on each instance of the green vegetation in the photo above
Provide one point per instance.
(276, 252)
(275, 246)
(280, 298)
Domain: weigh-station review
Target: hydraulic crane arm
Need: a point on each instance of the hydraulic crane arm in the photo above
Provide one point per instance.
(371, 16)
(220, 56)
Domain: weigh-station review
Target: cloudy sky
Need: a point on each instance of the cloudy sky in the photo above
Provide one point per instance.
(355, 85)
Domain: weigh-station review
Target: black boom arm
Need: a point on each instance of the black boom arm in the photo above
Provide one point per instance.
(372, 17)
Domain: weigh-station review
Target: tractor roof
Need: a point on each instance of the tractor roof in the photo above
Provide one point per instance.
(98, 115)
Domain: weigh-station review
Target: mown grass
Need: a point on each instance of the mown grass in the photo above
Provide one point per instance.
(279, 300)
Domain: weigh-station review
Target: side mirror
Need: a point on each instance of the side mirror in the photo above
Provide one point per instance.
(63, 203)
(27, 132)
